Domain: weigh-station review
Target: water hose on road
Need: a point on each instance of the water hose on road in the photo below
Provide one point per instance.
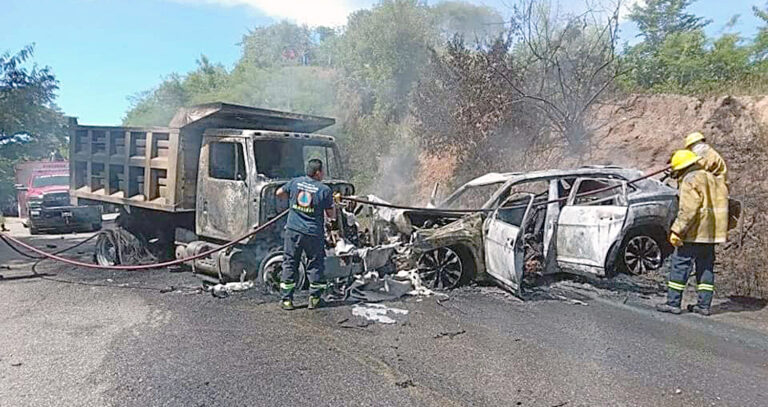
(29, 256)
(6, 238)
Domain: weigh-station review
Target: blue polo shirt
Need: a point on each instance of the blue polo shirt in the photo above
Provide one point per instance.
(308, 199)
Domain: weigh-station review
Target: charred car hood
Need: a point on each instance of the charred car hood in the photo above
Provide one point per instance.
(467, 231)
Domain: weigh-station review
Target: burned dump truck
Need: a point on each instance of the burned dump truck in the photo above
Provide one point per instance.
(540, 223)
(207, 178)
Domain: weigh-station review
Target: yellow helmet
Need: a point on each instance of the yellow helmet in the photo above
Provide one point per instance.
(683, 159)
(693, 138)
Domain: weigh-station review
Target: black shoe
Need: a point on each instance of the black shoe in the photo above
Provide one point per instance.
(287, 305)
(316, 302)
(668, 308)
(698, 309)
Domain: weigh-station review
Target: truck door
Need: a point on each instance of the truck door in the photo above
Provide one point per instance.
(590, 224)
(503, 241)
(222, 189)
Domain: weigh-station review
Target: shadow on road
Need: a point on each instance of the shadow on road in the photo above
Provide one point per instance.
(739, 304)
(25, 277)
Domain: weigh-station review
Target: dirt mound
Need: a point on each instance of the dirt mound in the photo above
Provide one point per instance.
(643, 130)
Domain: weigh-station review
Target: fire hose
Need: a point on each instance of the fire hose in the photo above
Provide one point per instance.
(206, 253)
(54, 256)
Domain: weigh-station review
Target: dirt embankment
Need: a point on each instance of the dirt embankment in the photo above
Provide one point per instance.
(643, 130)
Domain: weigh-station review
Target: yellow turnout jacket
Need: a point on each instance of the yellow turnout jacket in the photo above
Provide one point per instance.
(711, 160)
(702, 215)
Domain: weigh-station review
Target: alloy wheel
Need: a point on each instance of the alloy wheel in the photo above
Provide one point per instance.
(440, 268)
(642, 255)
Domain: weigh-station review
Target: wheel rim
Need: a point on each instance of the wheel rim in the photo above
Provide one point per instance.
(106, 253)
(440, 268)
(270, 274)
(642, 255)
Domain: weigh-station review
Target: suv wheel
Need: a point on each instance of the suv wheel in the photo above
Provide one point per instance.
(441, 268)
(641, 254)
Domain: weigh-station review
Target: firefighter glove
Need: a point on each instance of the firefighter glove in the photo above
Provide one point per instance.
(675, 240)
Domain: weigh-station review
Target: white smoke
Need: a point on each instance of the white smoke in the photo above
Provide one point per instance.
(331, 13)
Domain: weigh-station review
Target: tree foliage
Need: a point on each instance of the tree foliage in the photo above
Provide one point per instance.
(657, 19)
(31, 126)
(677, 56)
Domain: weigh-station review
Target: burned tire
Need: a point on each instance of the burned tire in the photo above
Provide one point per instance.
(270, 269)
(106, 252)
(118, 246)
(443, 268)
(642, 252)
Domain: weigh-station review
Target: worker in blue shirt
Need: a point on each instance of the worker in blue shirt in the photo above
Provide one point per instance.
(309, 201)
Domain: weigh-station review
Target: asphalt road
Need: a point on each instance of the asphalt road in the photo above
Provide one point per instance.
(80, 337)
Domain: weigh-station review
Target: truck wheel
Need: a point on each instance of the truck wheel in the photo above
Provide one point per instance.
(106, 250)
(33, 230)
(95, 227)
(270, 269)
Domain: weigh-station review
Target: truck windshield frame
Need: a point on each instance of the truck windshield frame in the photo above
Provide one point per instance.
(286, 159)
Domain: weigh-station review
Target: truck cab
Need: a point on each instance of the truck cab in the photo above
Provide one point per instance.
(240, 171)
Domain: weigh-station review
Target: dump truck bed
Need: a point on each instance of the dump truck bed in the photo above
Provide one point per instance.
(156, 167)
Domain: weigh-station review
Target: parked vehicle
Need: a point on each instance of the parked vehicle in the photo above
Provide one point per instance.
(524, 232)
(209, 177)
(43, 197)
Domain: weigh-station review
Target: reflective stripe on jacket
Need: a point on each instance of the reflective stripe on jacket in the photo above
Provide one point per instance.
(702, 215)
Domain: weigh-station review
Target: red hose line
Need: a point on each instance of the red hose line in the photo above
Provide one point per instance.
(144, 266)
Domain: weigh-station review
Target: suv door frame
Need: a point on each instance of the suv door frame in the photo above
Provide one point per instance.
(586, 233)
(511, 270)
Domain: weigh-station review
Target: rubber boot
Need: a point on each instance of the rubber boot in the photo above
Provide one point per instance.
(287, 305)
(315, 302)
(668, 308)
(698, 309)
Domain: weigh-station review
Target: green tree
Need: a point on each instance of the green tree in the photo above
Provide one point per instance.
(383, 51)
(656, 19)
(675, 53)
(761, 39)
(31, 126)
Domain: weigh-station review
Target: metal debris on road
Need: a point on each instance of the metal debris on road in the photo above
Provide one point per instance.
(377, 312)
(450, 335)
(223, 290)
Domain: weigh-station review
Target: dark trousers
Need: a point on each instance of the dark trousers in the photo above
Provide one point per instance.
(296, 244)
(682, 264)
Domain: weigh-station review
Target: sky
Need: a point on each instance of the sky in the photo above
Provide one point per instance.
(104, 51)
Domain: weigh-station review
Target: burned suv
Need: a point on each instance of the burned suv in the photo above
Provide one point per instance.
(543, 222)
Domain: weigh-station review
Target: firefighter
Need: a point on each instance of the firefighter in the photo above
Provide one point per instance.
(309, 201)
(701, 223)
(710, 158)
